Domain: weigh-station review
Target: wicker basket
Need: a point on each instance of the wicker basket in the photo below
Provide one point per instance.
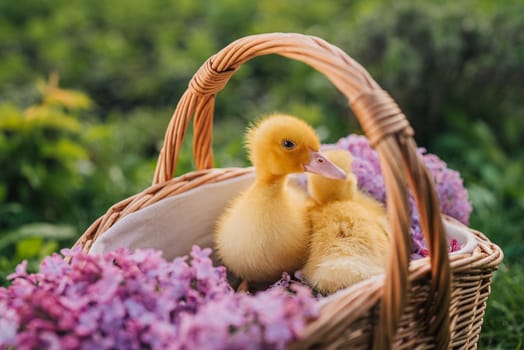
(436, 302)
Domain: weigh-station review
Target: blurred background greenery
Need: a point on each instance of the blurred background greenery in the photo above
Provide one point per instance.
(87, 88)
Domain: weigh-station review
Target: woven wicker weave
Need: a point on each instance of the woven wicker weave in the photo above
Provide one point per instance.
(436, 302)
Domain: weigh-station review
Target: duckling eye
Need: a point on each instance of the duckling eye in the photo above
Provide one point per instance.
(288, 144)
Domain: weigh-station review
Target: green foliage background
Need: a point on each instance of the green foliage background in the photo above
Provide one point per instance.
(456, 69)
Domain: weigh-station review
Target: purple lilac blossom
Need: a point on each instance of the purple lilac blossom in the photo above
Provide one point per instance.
(448, 184)
(136, 300)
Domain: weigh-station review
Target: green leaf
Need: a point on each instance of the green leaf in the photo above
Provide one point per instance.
(64, 150)
(48, 248)
(46, 117)
(11, 118)
(34, 173)
(42, 230)
(3, 193)
(29, 247)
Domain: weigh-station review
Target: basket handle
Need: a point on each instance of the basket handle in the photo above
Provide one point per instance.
(388, 131)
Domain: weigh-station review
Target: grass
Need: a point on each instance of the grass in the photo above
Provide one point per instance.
(504, 320)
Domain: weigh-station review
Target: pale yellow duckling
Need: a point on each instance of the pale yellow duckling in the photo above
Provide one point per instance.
(265, 230)
(349, 240)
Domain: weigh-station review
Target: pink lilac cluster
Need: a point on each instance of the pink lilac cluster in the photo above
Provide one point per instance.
(448, 184)
(138, 300)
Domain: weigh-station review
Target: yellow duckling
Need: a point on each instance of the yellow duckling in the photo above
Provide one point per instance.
(349, 240)
(265, 230)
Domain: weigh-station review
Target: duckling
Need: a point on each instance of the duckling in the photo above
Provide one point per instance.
(264, 231)
(349, 240)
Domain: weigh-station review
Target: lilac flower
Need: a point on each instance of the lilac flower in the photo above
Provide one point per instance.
(448, 184)
(454, 245)
(20, 271)
(125, 300)
(8, 323)
(269, 319)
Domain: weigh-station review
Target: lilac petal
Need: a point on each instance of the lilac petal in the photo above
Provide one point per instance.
(20, 271)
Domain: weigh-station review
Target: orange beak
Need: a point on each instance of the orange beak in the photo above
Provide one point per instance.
(322, 166)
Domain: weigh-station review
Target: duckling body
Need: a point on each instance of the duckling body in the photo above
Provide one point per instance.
(265, 230)
(349, 240)
(259, 244)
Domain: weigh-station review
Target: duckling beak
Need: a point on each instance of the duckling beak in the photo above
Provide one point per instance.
(322, 166)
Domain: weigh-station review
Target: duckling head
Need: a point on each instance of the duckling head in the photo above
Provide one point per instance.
(282, 144)
(324, 190)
